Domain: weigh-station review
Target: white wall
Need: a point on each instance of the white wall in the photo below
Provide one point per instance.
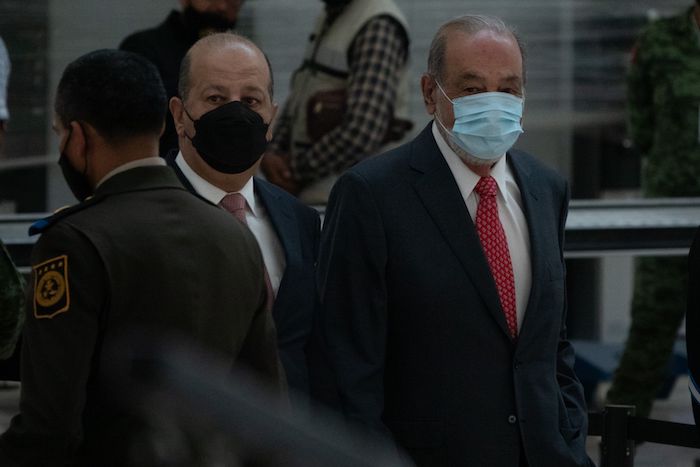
(80, 26)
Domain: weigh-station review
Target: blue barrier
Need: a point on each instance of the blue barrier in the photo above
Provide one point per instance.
(596, 362)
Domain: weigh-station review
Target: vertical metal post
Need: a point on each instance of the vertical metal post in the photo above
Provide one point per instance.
(616, 449)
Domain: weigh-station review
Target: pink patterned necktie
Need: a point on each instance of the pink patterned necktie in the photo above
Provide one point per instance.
(495, 245)
(235, 203)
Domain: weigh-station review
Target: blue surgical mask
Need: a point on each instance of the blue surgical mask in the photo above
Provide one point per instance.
(486, 124)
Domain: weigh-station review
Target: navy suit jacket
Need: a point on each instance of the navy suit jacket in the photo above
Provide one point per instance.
(692, 325)
(298, 229)
(413, 325)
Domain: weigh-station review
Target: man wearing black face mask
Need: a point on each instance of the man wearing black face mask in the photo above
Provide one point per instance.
(138, 252)
(166, 44)
(223, 117)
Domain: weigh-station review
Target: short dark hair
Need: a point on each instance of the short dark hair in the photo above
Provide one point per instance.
(218, 39)
(119, 93)
(469, 25)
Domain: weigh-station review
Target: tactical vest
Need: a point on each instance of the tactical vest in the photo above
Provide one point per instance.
(326, 67)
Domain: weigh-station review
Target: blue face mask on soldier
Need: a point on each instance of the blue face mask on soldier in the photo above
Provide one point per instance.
(486, 124)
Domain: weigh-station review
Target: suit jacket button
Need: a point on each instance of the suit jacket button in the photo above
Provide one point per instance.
(512, 419)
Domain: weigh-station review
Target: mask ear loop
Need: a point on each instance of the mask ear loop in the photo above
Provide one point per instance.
(86, 152)
(70, 133)
(446, 97)
(443, 91)
(188, 116)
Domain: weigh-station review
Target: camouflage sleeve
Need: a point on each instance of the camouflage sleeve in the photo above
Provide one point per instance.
(640, 109)
(11, 304)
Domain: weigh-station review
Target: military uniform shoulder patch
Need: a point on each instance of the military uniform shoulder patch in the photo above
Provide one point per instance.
(51, 291)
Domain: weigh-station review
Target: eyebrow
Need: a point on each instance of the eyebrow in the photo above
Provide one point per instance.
(254, 87)
(215, 87)
(513, 78)
(225, 90)
(474, 76)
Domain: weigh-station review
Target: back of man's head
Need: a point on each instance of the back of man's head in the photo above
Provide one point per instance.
(120, 94)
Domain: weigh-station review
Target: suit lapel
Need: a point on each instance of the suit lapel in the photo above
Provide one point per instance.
(437, 189)
(283, 222)
(535, 215)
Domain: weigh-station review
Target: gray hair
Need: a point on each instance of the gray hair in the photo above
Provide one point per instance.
(469, 25)
(219, 39)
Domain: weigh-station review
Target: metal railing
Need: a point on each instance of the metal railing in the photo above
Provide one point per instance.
(619, 430)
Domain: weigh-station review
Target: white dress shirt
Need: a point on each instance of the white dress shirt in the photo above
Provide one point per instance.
(510, 213)
(256, 217)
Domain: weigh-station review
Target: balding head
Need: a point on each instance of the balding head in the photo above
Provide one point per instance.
(468, 25)
(212, 43)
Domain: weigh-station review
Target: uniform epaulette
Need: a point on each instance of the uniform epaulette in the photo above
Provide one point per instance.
(42, 224)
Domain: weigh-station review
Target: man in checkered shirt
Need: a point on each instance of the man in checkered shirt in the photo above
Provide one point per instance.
(347, 100)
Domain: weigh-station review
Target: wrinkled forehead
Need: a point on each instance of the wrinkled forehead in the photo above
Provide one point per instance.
(228, 64)
(483, 53)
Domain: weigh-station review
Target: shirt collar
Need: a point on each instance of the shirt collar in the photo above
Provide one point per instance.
(466, 179)
(145, 162)
(213, 193)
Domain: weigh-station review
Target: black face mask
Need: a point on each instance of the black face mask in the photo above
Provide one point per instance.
(200, 23)
(76, 181)
(230, 138)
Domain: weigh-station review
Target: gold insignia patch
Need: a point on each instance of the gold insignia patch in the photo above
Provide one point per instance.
(51, 294)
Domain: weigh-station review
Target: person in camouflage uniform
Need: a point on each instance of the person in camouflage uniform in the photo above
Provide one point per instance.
(11, 301)
(664, 123)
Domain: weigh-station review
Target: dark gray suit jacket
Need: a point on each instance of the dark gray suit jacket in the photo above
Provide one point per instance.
(298, 228)
(413, 324)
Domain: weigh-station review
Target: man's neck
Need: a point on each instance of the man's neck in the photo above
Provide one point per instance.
(107, 157)
(230, 183)
(480, 169)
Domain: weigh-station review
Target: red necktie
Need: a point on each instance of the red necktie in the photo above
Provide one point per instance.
(235, 203)
(495, 245)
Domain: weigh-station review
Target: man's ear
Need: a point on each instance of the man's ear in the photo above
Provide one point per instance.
(79, 138)
(427, 85)
(177, 109)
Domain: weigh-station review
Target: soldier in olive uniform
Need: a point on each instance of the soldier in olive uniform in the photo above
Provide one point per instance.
(664, 122)
(139, 252)
(11, 300)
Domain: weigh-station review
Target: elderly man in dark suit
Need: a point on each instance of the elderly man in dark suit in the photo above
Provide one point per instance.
(222, 118)
(441, 276)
